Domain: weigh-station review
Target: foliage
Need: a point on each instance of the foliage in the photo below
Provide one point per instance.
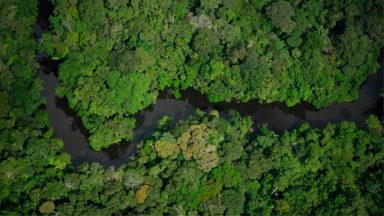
(141, 194)
(117, 55)
(206, 164)
(47, 207)
(194, 144)
(167, 146)
(30, 158)
(334, 170)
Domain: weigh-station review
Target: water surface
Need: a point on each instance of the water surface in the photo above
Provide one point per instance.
(278, 116)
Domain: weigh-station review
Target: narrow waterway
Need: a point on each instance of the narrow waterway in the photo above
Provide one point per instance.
(279, 117)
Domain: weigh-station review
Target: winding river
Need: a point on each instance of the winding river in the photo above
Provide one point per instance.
(279, 117)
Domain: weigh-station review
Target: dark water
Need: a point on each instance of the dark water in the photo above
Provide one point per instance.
(279, 117)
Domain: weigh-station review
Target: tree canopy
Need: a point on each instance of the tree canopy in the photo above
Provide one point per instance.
(190, 169)
(30, 157)
(117, 55)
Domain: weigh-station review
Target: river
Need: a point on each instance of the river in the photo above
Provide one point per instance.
(68, 127)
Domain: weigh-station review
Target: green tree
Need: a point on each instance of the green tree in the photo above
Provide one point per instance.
(47, 207)
(281, 13)
(167, 146)
(194, 144)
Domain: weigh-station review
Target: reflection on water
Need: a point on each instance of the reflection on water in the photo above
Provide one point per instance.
(279, 117)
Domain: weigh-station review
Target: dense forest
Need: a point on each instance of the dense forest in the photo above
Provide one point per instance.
(117, 55)
(212, 166)
(30, 157)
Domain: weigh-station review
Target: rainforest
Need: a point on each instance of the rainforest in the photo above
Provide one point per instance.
(191, 107)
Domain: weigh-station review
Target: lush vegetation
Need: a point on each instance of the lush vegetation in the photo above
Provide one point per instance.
(119, 54)
(29, 156)
(206, 164)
